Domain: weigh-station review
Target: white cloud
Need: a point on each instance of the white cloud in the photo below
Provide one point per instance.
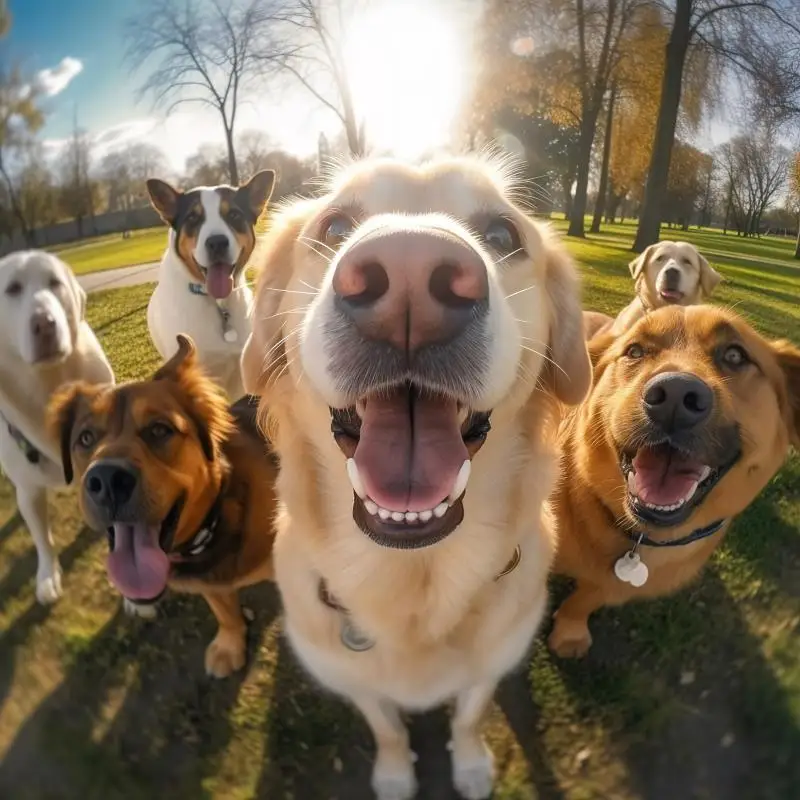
(54, 80)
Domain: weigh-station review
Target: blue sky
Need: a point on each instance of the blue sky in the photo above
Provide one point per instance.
(76, 48)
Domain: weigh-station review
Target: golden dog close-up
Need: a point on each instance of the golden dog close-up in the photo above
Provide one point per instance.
(413, 332)
(182, 486)
(691, 413)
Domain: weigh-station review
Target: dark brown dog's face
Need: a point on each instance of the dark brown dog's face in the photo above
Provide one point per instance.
(214, 227)
(698, 411)
(144, 454)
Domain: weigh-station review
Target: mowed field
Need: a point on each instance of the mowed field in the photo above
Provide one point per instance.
(694, 696)
(112, 251)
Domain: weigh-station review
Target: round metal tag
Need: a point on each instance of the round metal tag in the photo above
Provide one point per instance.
(353, 639)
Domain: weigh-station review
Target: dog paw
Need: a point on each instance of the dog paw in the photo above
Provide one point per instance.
(225, 655)
(48, 585)
(473, 773)
(143, 610)
(393, 780)
(569, 640)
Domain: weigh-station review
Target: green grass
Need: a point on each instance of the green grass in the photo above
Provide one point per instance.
(694, 696)
(112, 251)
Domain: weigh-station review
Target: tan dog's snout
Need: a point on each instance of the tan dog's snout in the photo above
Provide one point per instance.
(411, 288)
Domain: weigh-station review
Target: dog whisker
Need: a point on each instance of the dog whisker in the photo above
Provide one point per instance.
(309, 239)
(526, 289)
(546, 358)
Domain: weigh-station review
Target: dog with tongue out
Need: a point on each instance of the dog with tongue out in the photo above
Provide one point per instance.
(202, 289)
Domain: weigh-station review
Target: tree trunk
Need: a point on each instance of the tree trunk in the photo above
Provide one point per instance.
(797, 245)
(576, 218)
(658, 172)
(602, 189)
(233, 168)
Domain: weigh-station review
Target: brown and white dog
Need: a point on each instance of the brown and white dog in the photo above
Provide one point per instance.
(202, 288)
(691, 414)
(666, 273)
(182, 485)
(407, 311)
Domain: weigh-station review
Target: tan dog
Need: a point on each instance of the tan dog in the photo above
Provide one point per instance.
(666, 273)
(399, 311)
(182, 486)
(691, 413)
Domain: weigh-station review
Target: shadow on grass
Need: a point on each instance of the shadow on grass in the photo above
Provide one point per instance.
(111, 322)
(10, 525)
(134, 716)
(684, 689)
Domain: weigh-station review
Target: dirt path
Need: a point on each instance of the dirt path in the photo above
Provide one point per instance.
(119, 278)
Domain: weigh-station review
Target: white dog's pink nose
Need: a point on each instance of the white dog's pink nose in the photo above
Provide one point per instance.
(411, 288)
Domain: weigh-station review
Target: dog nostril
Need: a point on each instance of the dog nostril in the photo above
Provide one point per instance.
(443, 286)
(367, 284)
(94, 485)
(655, 396)
(122, 484)
(692, 401)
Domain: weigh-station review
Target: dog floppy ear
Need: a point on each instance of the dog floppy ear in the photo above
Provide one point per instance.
(709, 277)
(183, 359)
(254, 195)
(640, 262)
(789, 360)
(570, 374)
(61, 412)
(164, 199)
(262, 353)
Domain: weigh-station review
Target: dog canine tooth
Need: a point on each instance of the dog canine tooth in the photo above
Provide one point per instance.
(706, 471)
(355, 478)
(440, 510)
(460, 484)
(372, 508)
(425, 516)
(632, 482)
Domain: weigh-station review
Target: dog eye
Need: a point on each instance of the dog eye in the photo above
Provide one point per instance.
(192, 218)
(14, 289)
(86, 438)
(55, 283)
(501, 235)
(336, 229)
(234, 214)
(158, 431)
(634, 351)
(735, 356)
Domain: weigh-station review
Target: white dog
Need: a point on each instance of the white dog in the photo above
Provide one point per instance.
(44, 342)
(201, 287)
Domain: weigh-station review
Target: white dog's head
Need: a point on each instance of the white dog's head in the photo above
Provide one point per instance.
(414, 301)
(673, 273)
(41, 307)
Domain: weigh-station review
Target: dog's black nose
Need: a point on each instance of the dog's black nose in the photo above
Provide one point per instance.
(217, 246)
(672, 278)
(676, 401)
(111, 484)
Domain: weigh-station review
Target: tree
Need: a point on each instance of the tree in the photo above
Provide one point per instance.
(757, 39)
(79, 194)
(313, 45)
(689, 173)
(36, 190)
(125, 172)
(207, 53)
(207, 167)
(794, 195)
(254, 148)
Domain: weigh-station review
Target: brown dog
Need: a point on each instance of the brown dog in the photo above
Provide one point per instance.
(666, 273)
(182, 485)
(691, 413)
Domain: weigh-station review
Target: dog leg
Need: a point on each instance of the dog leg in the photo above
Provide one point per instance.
(226, 653)
(393, 774)
(473, 764)
(32, 504)
(570, 637)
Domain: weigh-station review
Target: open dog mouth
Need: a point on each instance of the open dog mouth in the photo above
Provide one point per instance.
(138, 562)
(409, 457)
(671, 295)
(665, 484)
(219, 279)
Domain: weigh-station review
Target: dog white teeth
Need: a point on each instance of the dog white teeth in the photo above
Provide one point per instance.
(632, 482)
(355, 478)
(704, 473)
(461, 481)
(398, 516)
(384, 514)
(425, 516)
(411, 516)
(440, 510)
(372, 508)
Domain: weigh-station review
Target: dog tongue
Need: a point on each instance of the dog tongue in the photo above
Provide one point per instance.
(672, 295)
(219, 281)
(663, 476)
(137, 565)
(409, 450)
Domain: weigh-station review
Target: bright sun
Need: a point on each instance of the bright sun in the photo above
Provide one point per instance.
(407, 72)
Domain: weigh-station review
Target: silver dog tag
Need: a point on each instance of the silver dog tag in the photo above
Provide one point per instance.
(354, 639)
(230, 335)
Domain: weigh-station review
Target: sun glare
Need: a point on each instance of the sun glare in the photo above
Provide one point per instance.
(407, 70)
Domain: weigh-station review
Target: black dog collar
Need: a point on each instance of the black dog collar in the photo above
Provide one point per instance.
(643, 539)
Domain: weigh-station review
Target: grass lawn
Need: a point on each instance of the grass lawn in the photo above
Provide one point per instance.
(110, 252)
(696, 696)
